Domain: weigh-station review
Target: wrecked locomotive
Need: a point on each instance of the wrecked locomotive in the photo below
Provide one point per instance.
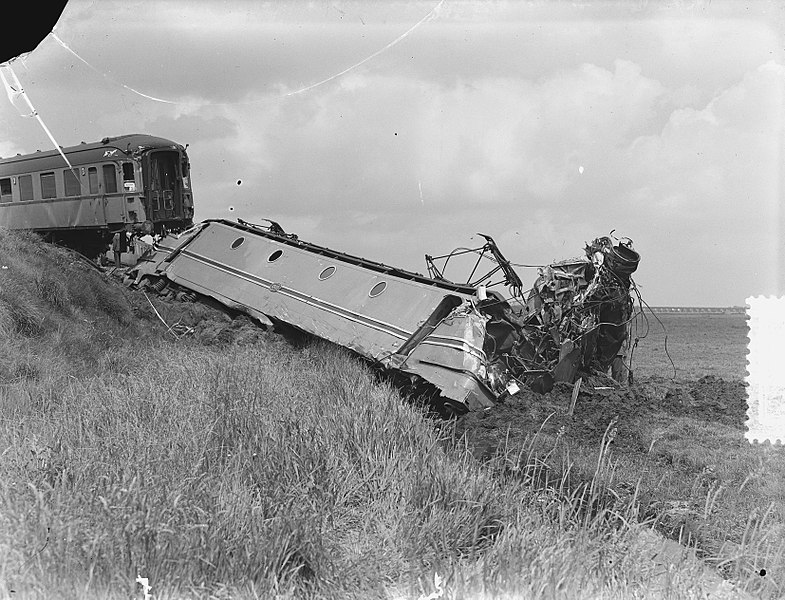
(472, 343)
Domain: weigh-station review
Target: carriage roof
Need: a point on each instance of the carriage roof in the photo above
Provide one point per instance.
(82, 154)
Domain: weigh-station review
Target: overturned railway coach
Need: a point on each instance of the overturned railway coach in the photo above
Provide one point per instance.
(472, 344)
(132, 182)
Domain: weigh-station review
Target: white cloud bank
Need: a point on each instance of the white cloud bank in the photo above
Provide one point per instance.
(541, 126)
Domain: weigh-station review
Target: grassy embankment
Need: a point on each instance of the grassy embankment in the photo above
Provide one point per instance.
(687, 465)
(260, 470)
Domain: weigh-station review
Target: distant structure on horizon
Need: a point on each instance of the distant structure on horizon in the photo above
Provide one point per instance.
(712, 310)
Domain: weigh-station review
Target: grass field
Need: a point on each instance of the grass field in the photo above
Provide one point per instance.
(228, 464)
(698, 345)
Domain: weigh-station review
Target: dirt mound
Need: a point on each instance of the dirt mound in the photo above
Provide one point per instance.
(597, 406)
(240, 331)
(720, 400)
(709, 398)
(546, 415)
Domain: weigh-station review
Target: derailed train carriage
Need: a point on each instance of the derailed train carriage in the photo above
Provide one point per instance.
(472, 343)
(138, 183)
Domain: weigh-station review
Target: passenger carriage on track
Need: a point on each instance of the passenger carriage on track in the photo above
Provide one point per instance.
(138, 183)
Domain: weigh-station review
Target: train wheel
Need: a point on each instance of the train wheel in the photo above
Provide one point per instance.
(450, 409)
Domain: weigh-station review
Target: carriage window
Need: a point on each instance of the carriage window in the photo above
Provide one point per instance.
(128, 171)
(110, 179)
(327, 272)
(378, 289)
(48, 188)
(92, 177)
(184, 171)
(128, 177)
(5, 190)
(72, 186)
(25, 187)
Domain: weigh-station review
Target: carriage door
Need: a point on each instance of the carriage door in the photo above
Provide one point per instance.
(163, 187)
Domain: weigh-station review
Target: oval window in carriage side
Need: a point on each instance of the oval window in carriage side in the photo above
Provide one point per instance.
(327, 272)
(378, 289)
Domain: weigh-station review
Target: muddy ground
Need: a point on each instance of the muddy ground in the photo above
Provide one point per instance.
(527, 413)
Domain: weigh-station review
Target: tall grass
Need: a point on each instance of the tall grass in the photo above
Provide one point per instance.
(54, 309)
(262, 471)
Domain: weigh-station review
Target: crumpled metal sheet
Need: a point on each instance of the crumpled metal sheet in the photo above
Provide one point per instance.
(452, 357)
(574, 318)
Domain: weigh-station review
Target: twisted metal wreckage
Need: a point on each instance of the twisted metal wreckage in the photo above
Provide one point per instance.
(473, 344)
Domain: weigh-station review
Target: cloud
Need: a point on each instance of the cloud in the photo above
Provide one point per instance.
(478, 121)
(492, 151)
(716, 158)
(499, 141)
(8, 149)
(228, 52)
(194, 128)
(711, 179)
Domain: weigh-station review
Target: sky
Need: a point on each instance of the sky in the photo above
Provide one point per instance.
(394, 129)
